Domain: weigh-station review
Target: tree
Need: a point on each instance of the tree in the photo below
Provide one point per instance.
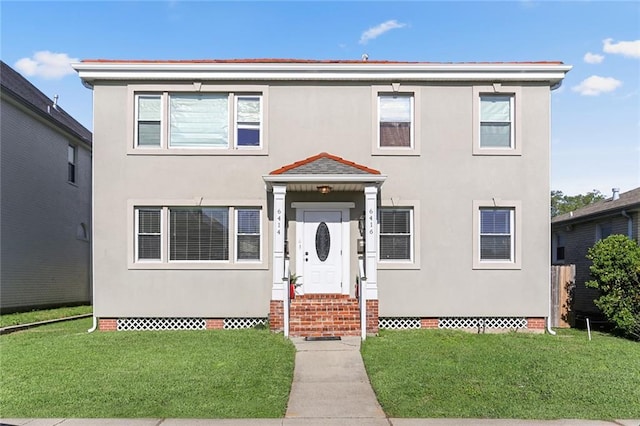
(561, 203)
(616, 273)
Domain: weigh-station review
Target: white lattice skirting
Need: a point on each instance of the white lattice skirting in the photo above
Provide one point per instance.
(509, 323)
(237, 323)
(481, 323)
(151, 324)
(398, 323)
(161, 324)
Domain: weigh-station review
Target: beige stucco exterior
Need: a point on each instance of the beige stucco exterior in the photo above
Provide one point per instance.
(440, 179)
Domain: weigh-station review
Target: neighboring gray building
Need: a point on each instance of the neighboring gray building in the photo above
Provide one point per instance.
(575, 232)
(45, 214)
(215, 178)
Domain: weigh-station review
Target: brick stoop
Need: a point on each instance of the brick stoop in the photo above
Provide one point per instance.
(324, 315)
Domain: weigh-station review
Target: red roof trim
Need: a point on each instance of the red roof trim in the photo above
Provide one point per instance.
(302, 61)
(291, 166)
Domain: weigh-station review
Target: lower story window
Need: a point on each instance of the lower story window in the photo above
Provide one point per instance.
(198, 234)
(496, 234)
(396, 234)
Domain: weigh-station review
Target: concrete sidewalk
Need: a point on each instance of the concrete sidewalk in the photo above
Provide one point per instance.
(330, 387)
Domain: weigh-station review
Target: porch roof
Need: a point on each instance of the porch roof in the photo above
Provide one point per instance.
(324, 169)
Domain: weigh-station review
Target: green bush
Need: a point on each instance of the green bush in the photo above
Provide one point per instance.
(616, 273)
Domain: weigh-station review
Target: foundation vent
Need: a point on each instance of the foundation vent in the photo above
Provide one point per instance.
(237, 323)
(483, 323)
(398, 323)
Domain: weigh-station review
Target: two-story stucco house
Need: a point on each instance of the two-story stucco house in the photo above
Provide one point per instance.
(45, 200)
(401, 194)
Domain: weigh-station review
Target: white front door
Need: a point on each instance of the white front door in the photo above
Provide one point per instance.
(322, 252)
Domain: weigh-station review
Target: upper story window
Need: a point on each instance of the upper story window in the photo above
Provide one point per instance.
(197, 122)
(72, 157)
(395, 116)
(496, 120)
(396, 124)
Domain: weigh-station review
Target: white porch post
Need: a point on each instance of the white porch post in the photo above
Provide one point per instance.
(279, 193)
(371, 243)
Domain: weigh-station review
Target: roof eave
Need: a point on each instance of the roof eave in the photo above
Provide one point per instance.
(547, 72)
(613, 211)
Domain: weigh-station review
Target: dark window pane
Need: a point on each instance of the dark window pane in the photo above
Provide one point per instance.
(199, 234)
(396, 134)
(248, 137)
(148, 246)
(71, 173)
(148, 133)
(148, 221)
(395, 247)
(248, 247)
(394, 222)
(495, 247)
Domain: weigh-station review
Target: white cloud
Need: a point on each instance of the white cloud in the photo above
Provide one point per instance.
(45, 64)
(593, 58)
(624, 48)
(595, 85)
(378, 30)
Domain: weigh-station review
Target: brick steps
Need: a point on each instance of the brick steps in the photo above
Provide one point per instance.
(324, 315)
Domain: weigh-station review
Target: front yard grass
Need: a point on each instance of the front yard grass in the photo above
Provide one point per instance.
(60, 370)
(433, 373)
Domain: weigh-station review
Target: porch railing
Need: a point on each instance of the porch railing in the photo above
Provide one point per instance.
(287, 297)
(362, 298)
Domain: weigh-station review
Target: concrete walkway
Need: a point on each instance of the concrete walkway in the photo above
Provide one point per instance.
(330, 387)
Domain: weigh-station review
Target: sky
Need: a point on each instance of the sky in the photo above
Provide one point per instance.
(595, 137)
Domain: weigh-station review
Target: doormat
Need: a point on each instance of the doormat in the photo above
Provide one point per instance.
(321, 338)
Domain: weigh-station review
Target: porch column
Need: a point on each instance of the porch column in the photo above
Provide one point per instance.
(279, 193)
(371, 242)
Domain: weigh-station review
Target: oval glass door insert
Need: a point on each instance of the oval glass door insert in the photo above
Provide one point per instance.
(323, 241)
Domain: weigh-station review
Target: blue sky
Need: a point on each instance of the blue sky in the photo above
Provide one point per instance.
(596, 113)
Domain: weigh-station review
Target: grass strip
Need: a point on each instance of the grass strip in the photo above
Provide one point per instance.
(20, 318)
(60, 370)
(440, 373)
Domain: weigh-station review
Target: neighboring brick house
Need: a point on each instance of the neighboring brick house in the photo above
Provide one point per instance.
(45, 213)
(575, 232)
(423, 186)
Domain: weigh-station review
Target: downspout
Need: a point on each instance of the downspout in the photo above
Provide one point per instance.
(549, 330)
(629, 224)
(93, 281)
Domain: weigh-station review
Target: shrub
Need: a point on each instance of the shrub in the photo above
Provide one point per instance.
(616, 273)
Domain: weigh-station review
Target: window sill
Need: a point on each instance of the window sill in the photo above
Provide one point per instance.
(197, 266)
(72, 183)
(407, 152)
(196, 152)
(398, 265)
(496, 152)
(497, 266)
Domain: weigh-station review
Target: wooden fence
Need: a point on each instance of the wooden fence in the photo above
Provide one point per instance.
(562, 283)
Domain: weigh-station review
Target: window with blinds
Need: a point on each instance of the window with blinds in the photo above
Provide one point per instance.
(199, 120)
(198, 234)
(396, 234)
(148, 120)
(248, 234)
(496, 234)
(248, 118)
(395, 114)
(496, 121)
(148, 233)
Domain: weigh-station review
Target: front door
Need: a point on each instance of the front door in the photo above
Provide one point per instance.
(322, 252)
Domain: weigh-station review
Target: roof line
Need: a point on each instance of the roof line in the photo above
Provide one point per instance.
(311, 159)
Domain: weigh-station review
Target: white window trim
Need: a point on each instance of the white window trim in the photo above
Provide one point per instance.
(414, 207)
(166, 264)
(516, 234)
(165, 90)
(516, 119)
(136, 120)
(236, 234)
(396, 88)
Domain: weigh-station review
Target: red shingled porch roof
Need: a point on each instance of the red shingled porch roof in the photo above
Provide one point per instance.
(291, 166)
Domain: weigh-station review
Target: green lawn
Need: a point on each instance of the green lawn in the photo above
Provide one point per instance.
(432, 373)
(60, 370)
(43, 315)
